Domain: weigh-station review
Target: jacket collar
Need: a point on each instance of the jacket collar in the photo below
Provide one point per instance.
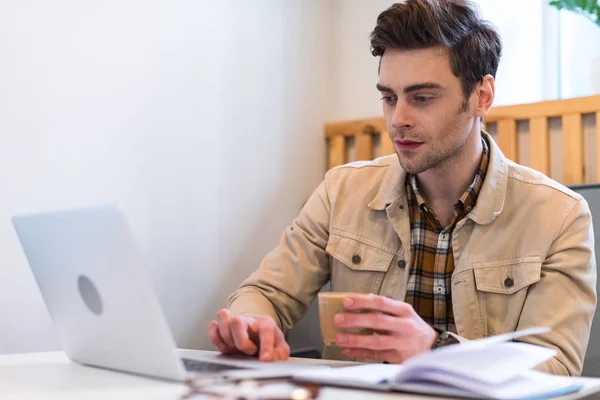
(392, 187)
(491, 197)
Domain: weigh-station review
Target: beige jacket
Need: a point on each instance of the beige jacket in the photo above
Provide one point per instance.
(525, 226)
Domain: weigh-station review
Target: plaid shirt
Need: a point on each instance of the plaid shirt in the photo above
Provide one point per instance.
(430, 274)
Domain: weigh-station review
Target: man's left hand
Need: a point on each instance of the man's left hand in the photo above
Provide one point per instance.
(399, 331)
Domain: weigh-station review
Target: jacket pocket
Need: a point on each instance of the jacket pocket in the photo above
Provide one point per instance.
(507, 277)
(356, 266)
(502, 289)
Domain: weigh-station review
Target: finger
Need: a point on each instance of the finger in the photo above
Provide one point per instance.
(386, 355)
(239, 330)
(368, 342)
(361, 353)
(375, 321)
(282, 349)
(266, 336)
(216, 339)
(282, 354)
(223, 318)
(378, 303)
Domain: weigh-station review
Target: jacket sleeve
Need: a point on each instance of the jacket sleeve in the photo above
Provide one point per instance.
(291, 275)
(564, 299)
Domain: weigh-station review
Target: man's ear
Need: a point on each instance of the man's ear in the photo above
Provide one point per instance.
(484, 95)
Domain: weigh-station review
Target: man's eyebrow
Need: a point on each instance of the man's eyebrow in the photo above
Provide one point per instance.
(411, 88)
(420, 86)
(382, 88)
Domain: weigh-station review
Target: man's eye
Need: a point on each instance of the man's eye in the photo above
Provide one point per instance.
(389, 99)
(422, 99)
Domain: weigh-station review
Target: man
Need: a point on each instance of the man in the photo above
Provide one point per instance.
(455, 241)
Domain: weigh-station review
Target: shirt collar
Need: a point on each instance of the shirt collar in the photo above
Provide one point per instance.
(492, 190)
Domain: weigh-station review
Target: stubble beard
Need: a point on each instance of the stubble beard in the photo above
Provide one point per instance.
(439, 158)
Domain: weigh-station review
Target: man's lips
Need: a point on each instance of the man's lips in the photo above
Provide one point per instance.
(403, 144)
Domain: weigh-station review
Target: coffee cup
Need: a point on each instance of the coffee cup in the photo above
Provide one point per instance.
(330, 304)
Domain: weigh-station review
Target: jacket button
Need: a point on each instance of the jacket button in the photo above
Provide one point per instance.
(356, 259)
(508, 282)
(401, 263)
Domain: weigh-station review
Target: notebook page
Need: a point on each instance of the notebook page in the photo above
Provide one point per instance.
(491, 365)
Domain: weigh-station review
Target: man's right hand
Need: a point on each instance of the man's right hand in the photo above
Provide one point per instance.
(248, 335)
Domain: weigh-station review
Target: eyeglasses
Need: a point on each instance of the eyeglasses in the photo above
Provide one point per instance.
(266, 389)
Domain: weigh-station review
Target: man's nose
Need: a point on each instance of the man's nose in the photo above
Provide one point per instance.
(402, 117)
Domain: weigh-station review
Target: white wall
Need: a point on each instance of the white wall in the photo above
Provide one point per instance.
(580, 56)
(523, 74)
(203, 119)
(353, 73)
(520, 77)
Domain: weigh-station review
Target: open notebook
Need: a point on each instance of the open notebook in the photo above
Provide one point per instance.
(493, 367)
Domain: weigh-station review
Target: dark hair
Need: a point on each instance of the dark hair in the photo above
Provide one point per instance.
(474, 45)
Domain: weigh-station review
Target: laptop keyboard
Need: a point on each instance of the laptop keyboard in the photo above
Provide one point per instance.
(202, 366)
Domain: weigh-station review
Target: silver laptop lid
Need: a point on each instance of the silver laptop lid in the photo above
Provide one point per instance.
(94, 283)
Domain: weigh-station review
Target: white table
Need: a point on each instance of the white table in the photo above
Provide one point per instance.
(53, 376)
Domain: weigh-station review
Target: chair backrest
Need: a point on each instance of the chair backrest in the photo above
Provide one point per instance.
(591, 365)
(560, 138)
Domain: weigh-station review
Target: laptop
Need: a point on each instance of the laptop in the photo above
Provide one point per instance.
(92, 278)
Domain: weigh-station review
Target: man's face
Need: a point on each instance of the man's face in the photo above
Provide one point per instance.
(423, 105)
